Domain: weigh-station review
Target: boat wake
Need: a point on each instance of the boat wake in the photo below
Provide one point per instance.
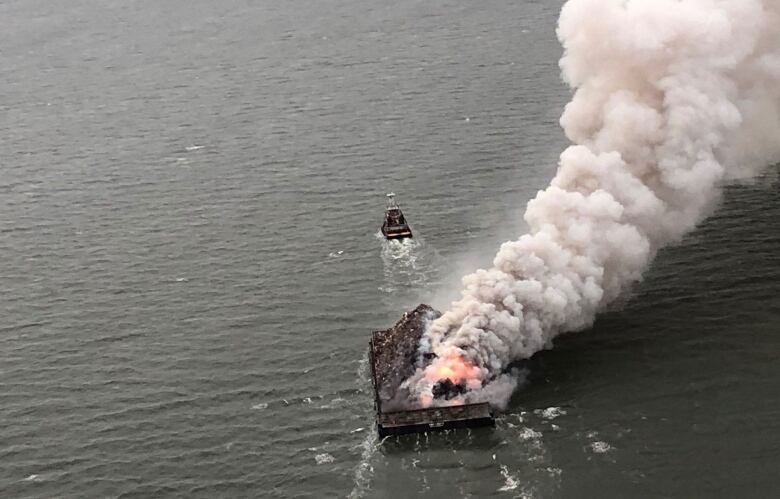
(408, 264)
(364, 471)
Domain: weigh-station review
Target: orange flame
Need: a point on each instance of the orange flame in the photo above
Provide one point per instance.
(452, 367)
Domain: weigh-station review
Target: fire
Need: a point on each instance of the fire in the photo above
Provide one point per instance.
(446, 372)
(452, 367)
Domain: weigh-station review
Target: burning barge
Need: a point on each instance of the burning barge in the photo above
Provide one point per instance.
(392, 355)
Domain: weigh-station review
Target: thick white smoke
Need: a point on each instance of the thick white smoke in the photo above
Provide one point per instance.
(673, 99)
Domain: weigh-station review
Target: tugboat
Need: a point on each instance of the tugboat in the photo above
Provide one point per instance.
(395, 226)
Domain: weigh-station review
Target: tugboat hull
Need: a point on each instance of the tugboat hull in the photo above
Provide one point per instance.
(396, 233)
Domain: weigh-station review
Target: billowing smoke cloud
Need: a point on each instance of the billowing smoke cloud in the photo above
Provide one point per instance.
(673, 99)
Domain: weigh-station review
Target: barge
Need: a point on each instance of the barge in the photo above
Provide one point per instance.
(393, 355)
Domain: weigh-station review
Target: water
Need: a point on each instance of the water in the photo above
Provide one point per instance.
(191, 194)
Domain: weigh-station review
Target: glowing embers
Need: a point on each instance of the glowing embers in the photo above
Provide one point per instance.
(455, 368)
(450, 376)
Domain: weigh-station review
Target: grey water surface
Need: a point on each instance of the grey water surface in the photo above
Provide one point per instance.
(191, 193)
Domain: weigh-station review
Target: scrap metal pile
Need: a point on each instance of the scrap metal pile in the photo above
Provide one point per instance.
(394, 353)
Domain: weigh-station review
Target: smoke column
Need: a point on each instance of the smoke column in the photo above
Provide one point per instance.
(673, 98)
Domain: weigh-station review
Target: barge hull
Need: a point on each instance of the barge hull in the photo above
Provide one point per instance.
(435, 419)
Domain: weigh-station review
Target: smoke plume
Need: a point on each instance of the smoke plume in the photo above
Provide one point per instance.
(673, 98)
